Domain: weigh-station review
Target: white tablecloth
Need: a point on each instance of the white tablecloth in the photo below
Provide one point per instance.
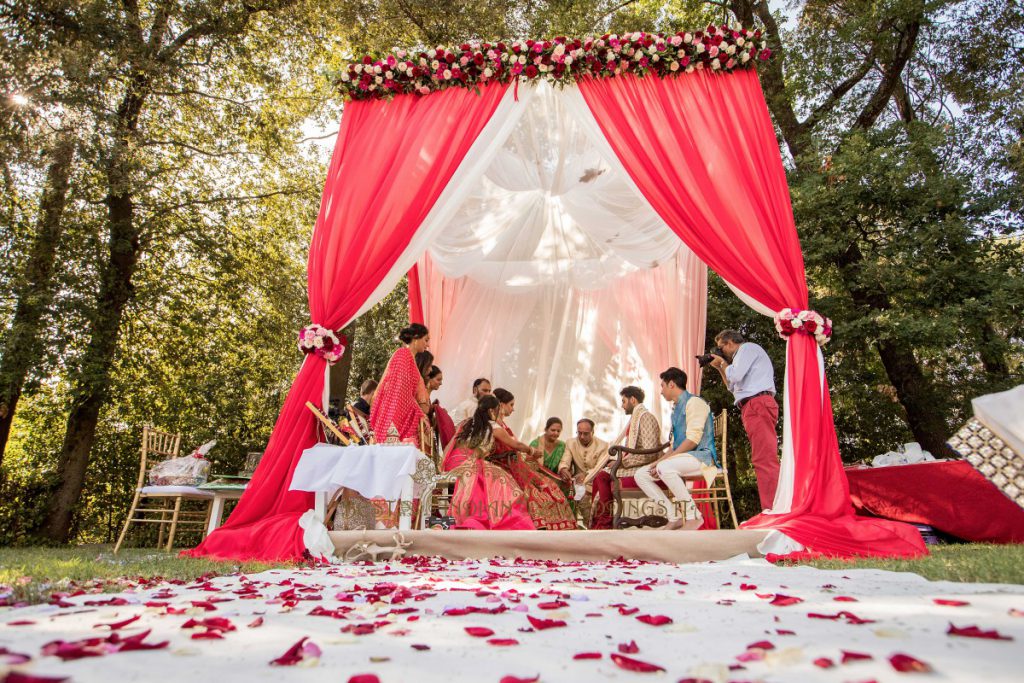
(372, 471)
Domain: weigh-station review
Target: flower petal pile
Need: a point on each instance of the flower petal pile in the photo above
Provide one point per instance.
(560, 60)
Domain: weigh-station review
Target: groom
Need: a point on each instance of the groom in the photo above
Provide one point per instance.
(642, 432)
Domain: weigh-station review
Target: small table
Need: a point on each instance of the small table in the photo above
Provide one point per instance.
(372, 471)
(223, 489)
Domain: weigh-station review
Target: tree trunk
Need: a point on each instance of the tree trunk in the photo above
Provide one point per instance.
(341, 373)
(92, 385)
(23, 349)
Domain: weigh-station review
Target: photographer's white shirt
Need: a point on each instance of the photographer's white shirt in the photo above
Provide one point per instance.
(750, 372)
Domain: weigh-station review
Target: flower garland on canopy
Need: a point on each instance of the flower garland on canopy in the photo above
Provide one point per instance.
(561, 60)
(789, 321)
(323, 342)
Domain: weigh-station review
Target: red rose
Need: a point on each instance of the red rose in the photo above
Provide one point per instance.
(531, 71)
(765, 54)
(810, 326)
(531, 43)
(684, 61)
(516, 49)
(500, 46)
(450, 57)
(711, 29)
(367, 60)
(464, 47)
(478, 59)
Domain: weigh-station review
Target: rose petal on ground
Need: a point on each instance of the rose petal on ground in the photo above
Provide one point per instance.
(761, 645)
(781, 600)
(364, 678)
(854, 657)
(588, 655)
(824, 663)
(628, 611)
(907, 664)
(654, 619)
(503, 642)
(630, 648)
(479, 631)
(20, 677)
(207, 635)
(29, 622)
(119, 624)
(255, 623)
(975, 632)
(845, 598)
(748, 587)
(557, 604)
(630, 664)
(542, 624)
(292, 655)
(517, 679)
(419, 646)
(945, 602)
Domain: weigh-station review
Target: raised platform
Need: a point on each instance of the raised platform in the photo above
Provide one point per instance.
(652, 545)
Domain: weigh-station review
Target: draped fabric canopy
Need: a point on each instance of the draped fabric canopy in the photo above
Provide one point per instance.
(631, 180)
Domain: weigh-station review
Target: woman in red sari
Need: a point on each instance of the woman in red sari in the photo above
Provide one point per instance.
(402, 399)
(548, 506)
(486, 496)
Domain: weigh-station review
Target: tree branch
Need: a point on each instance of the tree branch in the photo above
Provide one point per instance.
(892, 74)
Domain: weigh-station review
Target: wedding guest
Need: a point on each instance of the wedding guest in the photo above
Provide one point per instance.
(643, 432)
(553, 449)
(366, 393)
(486, 495)
(443, 424)
(463, 411)
(402, 400)
(547, 505)
(424, 363)
(693, 449)
(583, 454)
(747, 372)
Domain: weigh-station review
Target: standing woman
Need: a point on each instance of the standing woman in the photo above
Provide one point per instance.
(402, 399)
(548, 506)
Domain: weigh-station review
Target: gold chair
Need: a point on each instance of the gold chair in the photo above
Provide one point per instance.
(156, 447)
(717, 493)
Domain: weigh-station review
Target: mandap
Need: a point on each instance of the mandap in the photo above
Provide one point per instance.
(556, 205)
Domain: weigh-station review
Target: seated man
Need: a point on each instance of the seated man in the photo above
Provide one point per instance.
(465, 410)
(642, 432)
(693, 449)
(366, 394)
(581, 455)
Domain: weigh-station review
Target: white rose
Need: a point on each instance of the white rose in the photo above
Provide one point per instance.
(522, 59)
(402, 67)
(505, 57)
(731, 50)
(655, 58)
(740, 41)
(689, 69)
(568, 61)
(745, 57)
(435, 65)
(488, 73)
(636, 36)
(715, 64)
(447, 74)
(389, 74)
(378, 80)
(359, 68)
(431, 53)
(559, 49)
(687, 38)
(674, 66)
(700, 48)
(345, 78)
(318, 343)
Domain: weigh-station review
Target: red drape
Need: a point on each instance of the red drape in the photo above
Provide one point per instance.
(415, 296)
(391, 161)
(702, 149)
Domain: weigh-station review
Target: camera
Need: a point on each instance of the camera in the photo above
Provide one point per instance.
(705, 359)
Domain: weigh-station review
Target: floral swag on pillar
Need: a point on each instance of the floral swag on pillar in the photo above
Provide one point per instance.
(789, 321)
(323, 342)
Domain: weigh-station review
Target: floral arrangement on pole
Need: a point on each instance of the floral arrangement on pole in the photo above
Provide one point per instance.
(559, 60)
(789, 321)
(323, 342)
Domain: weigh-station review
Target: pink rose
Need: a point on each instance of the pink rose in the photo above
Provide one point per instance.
(765, 54)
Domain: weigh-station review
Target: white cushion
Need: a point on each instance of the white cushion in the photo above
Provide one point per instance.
(175, 491)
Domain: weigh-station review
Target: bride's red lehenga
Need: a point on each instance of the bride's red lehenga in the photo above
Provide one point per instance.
(486, 496)
(547, 505)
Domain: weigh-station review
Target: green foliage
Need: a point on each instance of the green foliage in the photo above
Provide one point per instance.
(963, 562)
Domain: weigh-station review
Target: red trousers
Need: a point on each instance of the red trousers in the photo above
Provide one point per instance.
(760, 417)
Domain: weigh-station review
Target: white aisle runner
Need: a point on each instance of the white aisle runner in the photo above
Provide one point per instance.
(430, 620)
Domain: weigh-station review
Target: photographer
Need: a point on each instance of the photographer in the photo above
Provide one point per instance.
(747, 372)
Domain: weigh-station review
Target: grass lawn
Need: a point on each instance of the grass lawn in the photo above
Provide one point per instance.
(967, 562)
(33, 574)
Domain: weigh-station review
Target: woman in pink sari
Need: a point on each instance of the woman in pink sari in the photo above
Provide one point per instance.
(402, 399)
(486, 496)
(548, 506)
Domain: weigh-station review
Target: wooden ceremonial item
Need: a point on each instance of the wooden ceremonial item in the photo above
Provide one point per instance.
(328, 423)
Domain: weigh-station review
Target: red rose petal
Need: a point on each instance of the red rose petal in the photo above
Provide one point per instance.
(854, 657)
(951, 603)
(630, 648)
(785, 632)
(516, 679)
(761, 645)
(907, 664)
(256, 623)
(292, 655)
(845, 598)
(824, 663)
(207, 635)
(588, 655)
(557, 604)
(630, 664)
(654, 619)
(502, 642)
(628, 611)
(975, 632)
(479, 631)
(419, 646)
(781, 600)
(748, 587)
(29, 622)
(18, 677)
(364, 678)
(542, 624)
